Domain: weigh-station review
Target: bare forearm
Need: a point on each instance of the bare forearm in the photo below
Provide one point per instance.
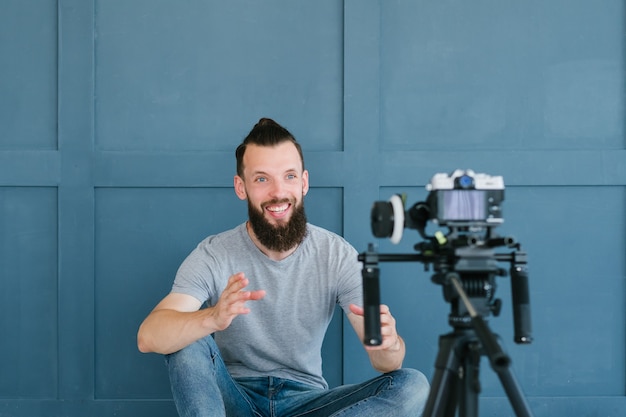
(389, 355)
(167, 331)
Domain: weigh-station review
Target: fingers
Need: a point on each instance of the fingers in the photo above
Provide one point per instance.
(232, 301)
(236, 282)
(356, 309)
(234, 292)
(233, 297)
(387, 324)
(387, 327)
(257, 295)
(235, 286)
(384, 310)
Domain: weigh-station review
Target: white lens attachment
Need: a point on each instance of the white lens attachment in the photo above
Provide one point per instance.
(398, 218)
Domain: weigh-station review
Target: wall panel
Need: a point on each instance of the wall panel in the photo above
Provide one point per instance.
(28, 261)
(509, 76)
(28, 86)
(167, 81)
(118, 122)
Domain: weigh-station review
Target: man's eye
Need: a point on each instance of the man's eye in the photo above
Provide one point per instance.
(291, 176)
(261, 179)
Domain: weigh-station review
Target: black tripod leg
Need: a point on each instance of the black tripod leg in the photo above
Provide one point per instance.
(501, 364)
(468, 400)
(514, 392)
(500, 361)
(442, 399)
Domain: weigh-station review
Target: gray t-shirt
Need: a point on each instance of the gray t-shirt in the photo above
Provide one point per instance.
(283, 333)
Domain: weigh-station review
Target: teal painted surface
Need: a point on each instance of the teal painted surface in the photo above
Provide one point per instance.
(118, 121)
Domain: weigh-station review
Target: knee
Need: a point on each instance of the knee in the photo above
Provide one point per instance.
(194, 355)
(413, 389)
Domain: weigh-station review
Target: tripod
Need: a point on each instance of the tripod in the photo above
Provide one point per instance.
(456, 381)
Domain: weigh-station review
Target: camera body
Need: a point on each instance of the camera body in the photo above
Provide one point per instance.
(465, 198)
(462, 199)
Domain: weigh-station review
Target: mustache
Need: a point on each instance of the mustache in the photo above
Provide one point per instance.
(276, 201)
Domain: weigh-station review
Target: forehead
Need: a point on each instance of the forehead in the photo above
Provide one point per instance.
(280, 158)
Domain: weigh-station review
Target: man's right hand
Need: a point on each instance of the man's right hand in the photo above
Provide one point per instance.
(178, 321)
(232, 301)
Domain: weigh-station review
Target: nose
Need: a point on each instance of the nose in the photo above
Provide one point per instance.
(278, 189)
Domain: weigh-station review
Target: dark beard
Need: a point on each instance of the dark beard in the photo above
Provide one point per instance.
(282, 237)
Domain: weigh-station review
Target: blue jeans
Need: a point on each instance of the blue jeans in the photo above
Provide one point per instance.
(202, 387)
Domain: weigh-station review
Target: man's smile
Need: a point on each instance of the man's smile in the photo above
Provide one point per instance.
(277, 210)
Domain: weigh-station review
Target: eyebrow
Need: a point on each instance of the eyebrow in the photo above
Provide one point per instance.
(267, 173)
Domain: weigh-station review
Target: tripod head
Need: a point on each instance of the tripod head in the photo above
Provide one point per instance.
(469, 205)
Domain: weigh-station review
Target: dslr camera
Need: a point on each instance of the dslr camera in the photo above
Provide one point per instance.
(462, 200)
(465, 264)
(470, 206)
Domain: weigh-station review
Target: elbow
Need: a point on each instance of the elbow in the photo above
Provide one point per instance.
(142, 342)
(143, 347)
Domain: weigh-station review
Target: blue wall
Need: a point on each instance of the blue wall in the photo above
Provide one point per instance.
(118, 121)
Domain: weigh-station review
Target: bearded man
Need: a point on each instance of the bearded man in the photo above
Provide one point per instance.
(271, 286)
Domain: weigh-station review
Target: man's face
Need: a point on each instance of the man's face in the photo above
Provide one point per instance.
(274, 184)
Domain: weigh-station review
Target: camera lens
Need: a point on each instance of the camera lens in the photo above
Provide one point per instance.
(465, 181)
(382, 219)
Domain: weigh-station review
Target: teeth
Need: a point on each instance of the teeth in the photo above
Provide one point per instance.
(278, 209)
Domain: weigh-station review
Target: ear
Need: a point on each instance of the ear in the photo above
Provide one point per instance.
(305, 182)
(240, 188)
